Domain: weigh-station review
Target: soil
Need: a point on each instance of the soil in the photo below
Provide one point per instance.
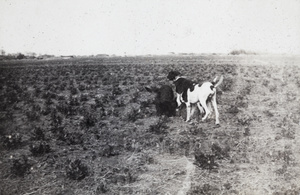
(89, 126)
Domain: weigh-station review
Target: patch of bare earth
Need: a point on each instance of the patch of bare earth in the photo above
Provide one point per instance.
(271, 163)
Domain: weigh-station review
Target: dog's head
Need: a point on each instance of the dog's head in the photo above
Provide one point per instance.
(172, 75)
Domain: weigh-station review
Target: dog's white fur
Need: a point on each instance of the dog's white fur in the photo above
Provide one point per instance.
(199, 96)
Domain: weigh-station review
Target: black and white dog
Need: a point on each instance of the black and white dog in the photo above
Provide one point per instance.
(189, 92)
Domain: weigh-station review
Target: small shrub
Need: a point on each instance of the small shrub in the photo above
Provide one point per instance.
(66, 109)
(109, 150)
(233, 109)
(89, 120)
(102, 188)
(48, 102)
(205, 161)
(246, 90)
(12, 141)
(119, 103)
(70, 138)
(33, 115)
(20, 166)
(76, 170)
(266, 83)
(116, 90)
(135, 97)
(159, 127)
(38, 91)
(219, 152)
(37, 134)
(74, 90)
(56, 120)
(40, 149)
(247, 132)
(82, 87)
(290, 96)
(36, 107)
(273, 104)
(99, 103)
(12, 97)
(132, 115)
(288, 132)
(298, 82)
(268, 113)
(241, 102)
(48, 95)
(227, 84)
(273, 88)
(245, 120)
(84, 97)
(74, 101)
(61, 97)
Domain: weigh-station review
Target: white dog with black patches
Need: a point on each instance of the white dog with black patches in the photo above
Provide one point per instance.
(190, 93)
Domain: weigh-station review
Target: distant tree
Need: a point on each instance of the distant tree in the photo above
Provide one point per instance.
(241, 51)
(20, 56)
(2, 52)
(31, 54)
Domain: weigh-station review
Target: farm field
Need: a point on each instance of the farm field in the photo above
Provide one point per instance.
(88, 126)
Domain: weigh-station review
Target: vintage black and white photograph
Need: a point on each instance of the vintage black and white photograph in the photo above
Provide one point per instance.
(150, 97)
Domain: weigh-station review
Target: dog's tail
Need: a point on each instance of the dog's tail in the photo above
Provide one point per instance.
(219, 82)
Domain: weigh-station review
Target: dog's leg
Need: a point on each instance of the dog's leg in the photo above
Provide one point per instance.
(200, 108)
(188, 111)
(209, 106)
(193, 108)
(214, 103)
(207, 111)
(178, 100)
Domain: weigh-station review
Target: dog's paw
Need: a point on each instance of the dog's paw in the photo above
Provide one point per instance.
(217, 126)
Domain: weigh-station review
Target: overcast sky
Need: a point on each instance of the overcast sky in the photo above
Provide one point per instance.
(135, 27)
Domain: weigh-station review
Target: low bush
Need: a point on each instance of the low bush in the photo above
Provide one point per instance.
(109, 150)
(33, 115)
(245, 120)
(219, 152)
(205, 161)
(70, 138)
(160, 127)
(12, 141)
(132, 114)
(40, 148)
(227, 84)
(20, 166)
(37, 134)
(76, 170)
(89, 120)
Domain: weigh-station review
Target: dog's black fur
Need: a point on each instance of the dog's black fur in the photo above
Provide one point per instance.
(182, 84)
(165, 102)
